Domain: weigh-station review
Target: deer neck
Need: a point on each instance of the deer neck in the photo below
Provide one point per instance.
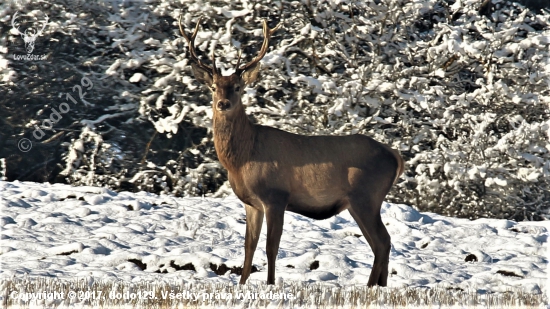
(234, 138)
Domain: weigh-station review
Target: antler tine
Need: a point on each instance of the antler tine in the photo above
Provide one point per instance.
(45, 24)
(265, 45)
(191, 43)
(214, 69)
(238, 60)
(13, 23)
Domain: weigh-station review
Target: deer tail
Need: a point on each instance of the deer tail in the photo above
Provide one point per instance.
(400, 164)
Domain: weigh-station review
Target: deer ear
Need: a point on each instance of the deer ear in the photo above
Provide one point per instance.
(249, 76)
(202, 75)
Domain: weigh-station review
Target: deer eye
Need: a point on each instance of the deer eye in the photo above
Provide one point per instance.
(237, 88)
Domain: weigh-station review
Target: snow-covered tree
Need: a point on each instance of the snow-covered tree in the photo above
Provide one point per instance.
(463, 94)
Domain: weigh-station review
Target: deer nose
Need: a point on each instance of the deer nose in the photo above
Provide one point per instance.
(223, 105)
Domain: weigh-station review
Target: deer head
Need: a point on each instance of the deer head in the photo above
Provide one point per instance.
(226, 90)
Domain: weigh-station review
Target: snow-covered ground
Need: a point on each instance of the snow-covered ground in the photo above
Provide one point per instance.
(66, 232)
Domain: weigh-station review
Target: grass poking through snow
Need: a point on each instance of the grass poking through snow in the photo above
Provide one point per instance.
(87, 293)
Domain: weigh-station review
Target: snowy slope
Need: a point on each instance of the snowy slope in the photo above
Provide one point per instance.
(66, 232)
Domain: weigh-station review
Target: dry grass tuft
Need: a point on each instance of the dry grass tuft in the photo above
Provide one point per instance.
(89, 293)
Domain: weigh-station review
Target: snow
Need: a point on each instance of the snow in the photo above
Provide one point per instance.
(77, 232)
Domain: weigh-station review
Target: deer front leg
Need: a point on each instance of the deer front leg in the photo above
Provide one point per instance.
(254, 221)
(275, 218)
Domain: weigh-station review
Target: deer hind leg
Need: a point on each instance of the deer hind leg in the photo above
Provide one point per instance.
(254, 221)
(368, 218)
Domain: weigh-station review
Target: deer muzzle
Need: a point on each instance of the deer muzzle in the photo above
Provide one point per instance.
(223, 105)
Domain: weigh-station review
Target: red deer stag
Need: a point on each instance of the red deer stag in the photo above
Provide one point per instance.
(272, 170)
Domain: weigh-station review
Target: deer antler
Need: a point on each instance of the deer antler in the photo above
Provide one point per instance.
(13, 23)
(267, 35)
(191, 42)
(44, 25)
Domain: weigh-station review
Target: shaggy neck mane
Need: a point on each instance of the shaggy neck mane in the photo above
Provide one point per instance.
(233, 139)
